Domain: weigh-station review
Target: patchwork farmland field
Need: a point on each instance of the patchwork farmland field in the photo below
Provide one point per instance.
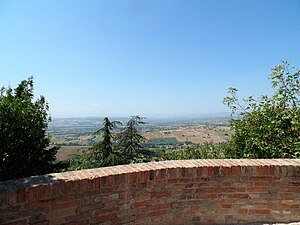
(75, 135)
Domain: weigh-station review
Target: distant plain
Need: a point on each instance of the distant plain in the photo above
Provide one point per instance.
(76, 135)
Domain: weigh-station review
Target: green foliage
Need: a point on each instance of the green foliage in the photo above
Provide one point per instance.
(206, 150)
(268, 127)
(79, 162)
(113, 159)
(23, 139)
(163, 141)
(115, 147)
(104, 148)
(129, 141)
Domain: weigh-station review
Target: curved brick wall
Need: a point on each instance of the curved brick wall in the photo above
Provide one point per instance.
(171, 192)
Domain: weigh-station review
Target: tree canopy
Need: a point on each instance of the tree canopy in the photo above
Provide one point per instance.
(129, 141)
(103, 152)
(23, 140)
(268, 127)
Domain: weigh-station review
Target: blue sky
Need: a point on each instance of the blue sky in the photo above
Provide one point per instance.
(149, 58)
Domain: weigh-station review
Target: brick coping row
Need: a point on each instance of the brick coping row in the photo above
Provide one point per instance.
(269, 166)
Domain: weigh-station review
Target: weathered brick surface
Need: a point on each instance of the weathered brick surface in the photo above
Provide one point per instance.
(171, 192)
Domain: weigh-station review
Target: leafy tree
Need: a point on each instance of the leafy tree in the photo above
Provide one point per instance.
(207, 150)
(103, 151)
(79, 162)
(268, 127)
(129, 141)
(115, 147)
(23, 141)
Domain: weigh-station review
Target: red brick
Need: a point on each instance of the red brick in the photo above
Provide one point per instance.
(266, 170)
(142, 215)
(76, 186)
(260, 183)
(109, 217)
(243, 211)
(18, 222)
(293, 189)
(278, 206)
(21, 195)
(65, 198)
(61, 213)
(97, 183)
(287, 196)
(57, 221)
(55, 190)
(238, 196)
(160, 194)
(209, 219)
(104, 211)
(184, 180)
(260, 211)
(209, 171)
(207, 196)
(91, 185)
(65, 205)
(173, 181)
(226, 206)
(46, 192)
(168, 196)
(78, 217)
(123, 195)
(261, 179)
(161, 206)
(241, 189)
(141, 204)
(294, 206)
(30, 194)
(43, 223)
(84, 184)
(66, 187)
(258, 189)
(106, 182)
(172, 173)
(226, 183)
(157, 213)
(272, 170)
(120, 179)
(42, 192)
(145, 176)
(132, 178)
(227, 201)
(106, 191)
(236, 170)
(226, 190)
(38, 204)
(110, 181)
(226, 171)
(38, 193)
(142, 197)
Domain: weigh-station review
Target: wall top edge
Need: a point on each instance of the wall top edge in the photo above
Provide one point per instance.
(89, 174)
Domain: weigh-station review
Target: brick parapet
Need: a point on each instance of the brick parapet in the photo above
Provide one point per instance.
(221, 191)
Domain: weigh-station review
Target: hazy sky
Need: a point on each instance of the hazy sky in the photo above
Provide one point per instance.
(155, 57)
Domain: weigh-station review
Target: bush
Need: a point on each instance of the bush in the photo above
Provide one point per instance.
(207, 150)
(23, 141)
(268, 127)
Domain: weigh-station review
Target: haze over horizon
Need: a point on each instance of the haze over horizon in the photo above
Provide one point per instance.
(156, 116)
(149, 58)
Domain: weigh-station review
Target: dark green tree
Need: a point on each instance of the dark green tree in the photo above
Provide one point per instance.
(268, 127)
(104, 151)
(129, 141)
(23, 140)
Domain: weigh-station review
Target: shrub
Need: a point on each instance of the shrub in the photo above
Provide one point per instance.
(268, 127)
